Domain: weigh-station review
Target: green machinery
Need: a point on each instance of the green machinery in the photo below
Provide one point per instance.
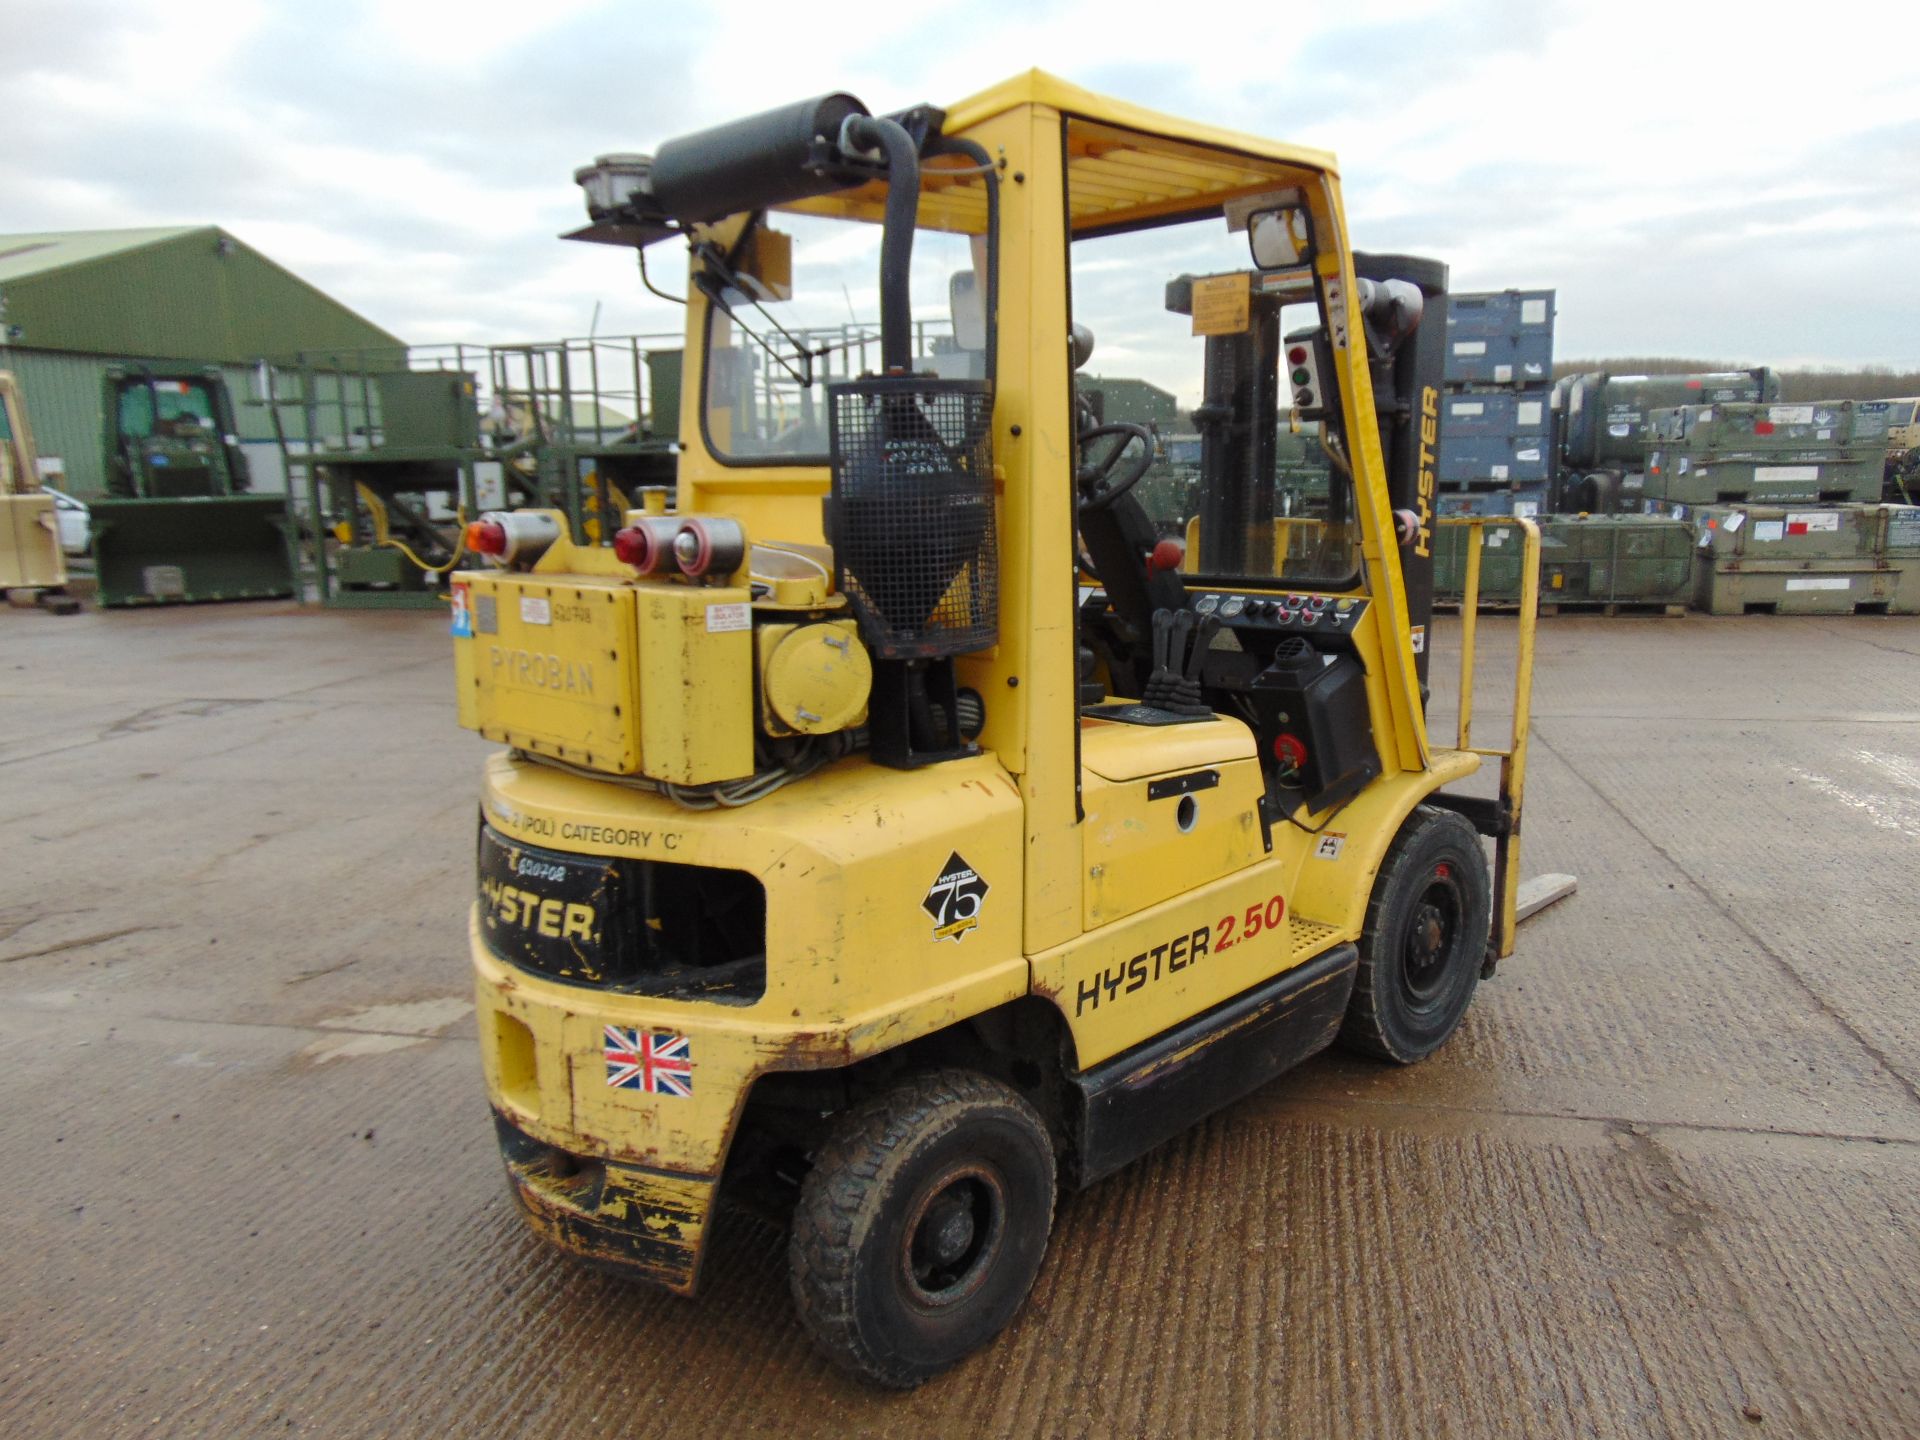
(1899, 420)
(1601, 425)
(1166, 490)
(389, 454)
(177, 523)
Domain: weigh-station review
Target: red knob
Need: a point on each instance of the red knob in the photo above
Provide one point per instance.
(1167, 555)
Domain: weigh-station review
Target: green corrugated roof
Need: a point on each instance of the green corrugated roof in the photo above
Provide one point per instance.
(24, 255)
(175, 292)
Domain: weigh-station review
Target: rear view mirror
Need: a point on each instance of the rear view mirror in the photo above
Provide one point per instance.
(1280, 237)
(968, 309)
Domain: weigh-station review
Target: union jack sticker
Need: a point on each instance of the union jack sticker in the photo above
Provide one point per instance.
(656, 1061)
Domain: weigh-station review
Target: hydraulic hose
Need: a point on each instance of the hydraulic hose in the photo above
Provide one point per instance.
(868, 132)
(383, 536)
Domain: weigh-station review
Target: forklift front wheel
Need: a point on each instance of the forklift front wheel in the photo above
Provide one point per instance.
(921, 1226)
(1424, 942)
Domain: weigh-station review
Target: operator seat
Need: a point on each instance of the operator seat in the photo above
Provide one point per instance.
(1119, 537)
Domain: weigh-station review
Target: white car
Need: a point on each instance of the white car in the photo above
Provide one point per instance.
(75, 520)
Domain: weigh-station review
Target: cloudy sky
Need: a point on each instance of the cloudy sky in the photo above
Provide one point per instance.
(1735, 182)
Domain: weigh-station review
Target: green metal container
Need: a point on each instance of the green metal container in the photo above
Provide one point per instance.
(1500, 564)
(1301, 470)
(1901, 551)
(1134, 402)
(1599, 560)
(663, 397)
(427, 410)
(1831, 560)
(1817, 453)
(188, 549)
(358, 567)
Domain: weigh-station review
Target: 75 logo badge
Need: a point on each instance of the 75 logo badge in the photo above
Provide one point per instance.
(955, 899)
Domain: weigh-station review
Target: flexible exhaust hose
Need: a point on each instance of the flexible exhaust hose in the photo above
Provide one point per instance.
(868, 132)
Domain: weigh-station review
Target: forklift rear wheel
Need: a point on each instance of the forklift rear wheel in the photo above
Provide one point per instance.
(1424, 941)
(921, 1226)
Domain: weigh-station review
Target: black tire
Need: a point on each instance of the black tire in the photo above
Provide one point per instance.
(1424, 942)
(921, 1226)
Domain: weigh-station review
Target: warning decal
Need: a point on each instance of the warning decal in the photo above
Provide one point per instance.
(955, 899)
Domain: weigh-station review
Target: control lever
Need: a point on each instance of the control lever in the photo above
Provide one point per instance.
(1207, 627)
(1180, 643)
(1162, 631)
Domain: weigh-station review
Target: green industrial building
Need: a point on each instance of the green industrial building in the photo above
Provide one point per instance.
(74, 303)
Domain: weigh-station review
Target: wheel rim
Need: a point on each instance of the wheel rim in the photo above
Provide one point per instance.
(953, 1237)
(1432, 934)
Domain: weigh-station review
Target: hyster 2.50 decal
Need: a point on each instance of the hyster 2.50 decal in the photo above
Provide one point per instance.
(956, 897)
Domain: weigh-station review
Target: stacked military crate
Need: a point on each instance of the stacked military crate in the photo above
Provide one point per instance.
(1495, 425)
(1603, 423)
(1781, 498)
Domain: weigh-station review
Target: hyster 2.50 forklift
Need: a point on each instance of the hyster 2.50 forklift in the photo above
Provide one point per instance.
(911, 818)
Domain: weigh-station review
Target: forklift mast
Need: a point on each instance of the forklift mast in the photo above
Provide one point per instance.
(1406, 369)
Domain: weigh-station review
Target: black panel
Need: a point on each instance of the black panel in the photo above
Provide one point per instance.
(640, 927)
(1186, 784)
(1315, 704)
(1131, 712)
(1129, 1104)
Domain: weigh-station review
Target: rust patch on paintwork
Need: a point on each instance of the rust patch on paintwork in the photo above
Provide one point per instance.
(650, 1225)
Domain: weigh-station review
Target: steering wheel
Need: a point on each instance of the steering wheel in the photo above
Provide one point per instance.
(1105, 481)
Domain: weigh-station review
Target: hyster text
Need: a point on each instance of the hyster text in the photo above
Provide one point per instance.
(1130, 975)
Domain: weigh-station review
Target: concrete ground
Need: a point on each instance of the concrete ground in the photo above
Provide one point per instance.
(1666, 1180)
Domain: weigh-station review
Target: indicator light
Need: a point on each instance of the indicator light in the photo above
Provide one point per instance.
(487, 537)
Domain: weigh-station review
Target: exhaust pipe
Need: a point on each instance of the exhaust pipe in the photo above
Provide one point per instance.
(866, 134)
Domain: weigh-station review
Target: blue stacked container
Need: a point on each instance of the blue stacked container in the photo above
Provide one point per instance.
(1496, 440)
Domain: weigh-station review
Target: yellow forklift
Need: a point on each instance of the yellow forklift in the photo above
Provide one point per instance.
(31, 560)
(913, 823)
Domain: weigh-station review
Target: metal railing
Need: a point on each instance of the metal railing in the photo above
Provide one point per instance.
(1513, 757)
(541, 412)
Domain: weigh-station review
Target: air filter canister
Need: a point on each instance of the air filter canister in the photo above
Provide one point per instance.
(912, 514)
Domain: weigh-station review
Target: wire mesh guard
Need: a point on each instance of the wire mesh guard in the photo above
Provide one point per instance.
(912, 523)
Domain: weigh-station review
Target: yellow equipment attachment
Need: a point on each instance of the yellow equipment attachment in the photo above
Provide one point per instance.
(30, 555)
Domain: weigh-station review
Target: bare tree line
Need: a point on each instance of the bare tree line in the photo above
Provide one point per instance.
(1869, 382)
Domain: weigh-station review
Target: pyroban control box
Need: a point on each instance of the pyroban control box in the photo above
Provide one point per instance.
(1316, 702)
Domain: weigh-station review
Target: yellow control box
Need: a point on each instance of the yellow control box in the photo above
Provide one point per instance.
(653, 680)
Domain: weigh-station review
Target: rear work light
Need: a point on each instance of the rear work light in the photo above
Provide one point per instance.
(709, 545)
(487, 537)
(516, 537)
(646, 544)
